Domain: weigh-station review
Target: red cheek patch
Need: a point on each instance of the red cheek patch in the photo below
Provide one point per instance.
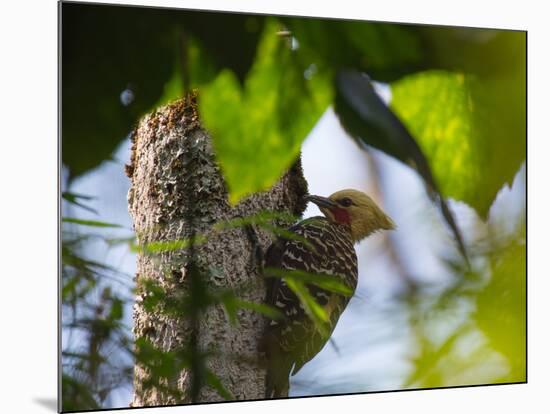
(341, 215)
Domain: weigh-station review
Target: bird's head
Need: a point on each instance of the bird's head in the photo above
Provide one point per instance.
(356, 209)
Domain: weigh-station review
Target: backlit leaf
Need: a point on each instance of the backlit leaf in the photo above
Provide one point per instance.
(450, 115)
(257, 129)
(501, 309)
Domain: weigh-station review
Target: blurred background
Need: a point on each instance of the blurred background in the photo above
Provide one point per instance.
(420, 317)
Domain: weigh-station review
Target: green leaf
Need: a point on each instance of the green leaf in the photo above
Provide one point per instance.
(164, 364)
(228, 301)
(167, 246)
(263, 217)
(199, 68)
(94, 119)
(474, 145)
(257, 129)
(367, 118)
(501, 309)
(266, 310)
(214, 381)
(287, 234)
(232, 304)
(74, 198)
(84, 356)
(324, 281)
(93, 223)
(131, 240)
(117, 310)
(76, 394)
(157, 300)
(384, 50)
(109, 49)
(315, 312)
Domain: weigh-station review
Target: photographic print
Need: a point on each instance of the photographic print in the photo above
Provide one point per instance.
(262, 207)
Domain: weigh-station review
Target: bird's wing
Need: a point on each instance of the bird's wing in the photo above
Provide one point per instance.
(296, 335)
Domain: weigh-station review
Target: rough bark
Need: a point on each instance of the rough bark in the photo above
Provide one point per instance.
(174, 176)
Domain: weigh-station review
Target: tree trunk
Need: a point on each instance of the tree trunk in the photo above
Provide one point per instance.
(178, 191)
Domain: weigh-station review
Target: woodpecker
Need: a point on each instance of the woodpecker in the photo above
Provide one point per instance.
(349, 216)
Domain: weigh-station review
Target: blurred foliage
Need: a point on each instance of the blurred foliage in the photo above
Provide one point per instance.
(300, 282)
(258, 129)
(502, 308)
(437, 108)
(110, 50)
(163, 366)
(157, 300)
(488, 117)
(105, 51)
(98, 351)
(92, 323)
(367, 119)
(475, 331)
(264, 82)
(473, 146)
(384, 50)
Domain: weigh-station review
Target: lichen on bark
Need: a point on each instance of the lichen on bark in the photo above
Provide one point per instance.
(174, 176)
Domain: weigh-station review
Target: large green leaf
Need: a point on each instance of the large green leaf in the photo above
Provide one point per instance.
(93, 223)
(473, 142)
(501, 309)
(106, 50)
(257, 129)
(367, 118)
(76, 395)
(216, 383)
(385, 50)
(476, 127)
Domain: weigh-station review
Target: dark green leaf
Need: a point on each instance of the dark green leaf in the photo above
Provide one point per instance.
(93, 223)
(315, 312)
(107, 50)
(116, 310)
(229, 303)
(257, 130)
(287, 234)
(164, 364)
(155, 298)
(324, 281)
(168, 246)
(451, 115)
(264, 220)
(501, 309)
(126, 49)
(369, 120)
(263, 217)
(76, 395)
(385, 50)
(266, 310)
(73, 199)
(214, 381)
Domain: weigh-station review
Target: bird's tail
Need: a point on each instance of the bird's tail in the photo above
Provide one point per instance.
(276, 380)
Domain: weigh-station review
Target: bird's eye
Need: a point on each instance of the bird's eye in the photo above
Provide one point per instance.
(346, 202)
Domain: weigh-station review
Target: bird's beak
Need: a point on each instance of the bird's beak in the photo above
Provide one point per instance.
(321, 201)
